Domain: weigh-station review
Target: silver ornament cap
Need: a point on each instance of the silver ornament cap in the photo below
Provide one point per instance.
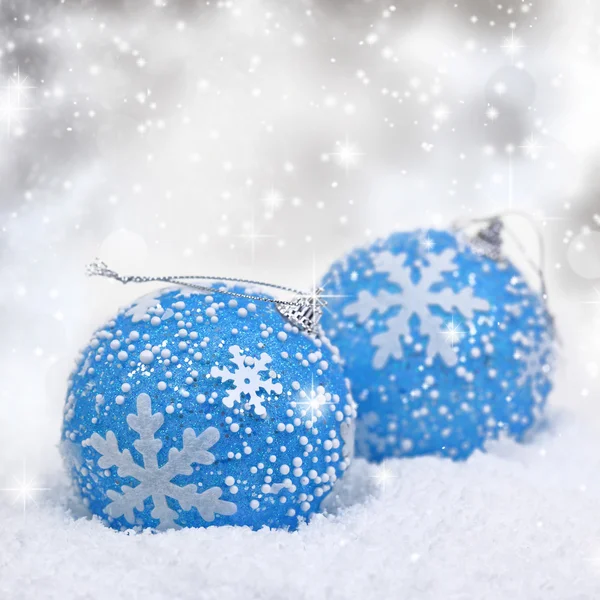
(305, 310)
(488, 241)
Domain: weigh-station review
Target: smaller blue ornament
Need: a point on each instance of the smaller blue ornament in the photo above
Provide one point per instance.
(446, 346)
(191, 409)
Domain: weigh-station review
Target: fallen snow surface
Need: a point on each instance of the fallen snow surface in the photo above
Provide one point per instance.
(520, 522)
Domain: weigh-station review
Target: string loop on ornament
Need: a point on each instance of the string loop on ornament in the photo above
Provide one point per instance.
(489, 242)
(303, 310)
(497, 222)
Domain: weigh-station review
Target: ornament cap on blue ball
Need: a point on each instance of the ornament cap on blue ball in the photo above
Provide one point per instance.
(445, 343)
(190, 409)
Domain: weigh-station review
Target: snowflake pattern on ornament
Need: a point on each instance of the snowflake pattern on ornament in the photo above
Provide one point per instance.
(146, 306)
(247, 380)
(414, 299)
(155, 481)
(140, 308)
(538, 361)
(446, 347)
(214, 365)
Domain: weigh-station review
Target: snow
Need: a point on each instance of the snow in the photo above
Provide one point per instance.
(520, 522)
(122, 106)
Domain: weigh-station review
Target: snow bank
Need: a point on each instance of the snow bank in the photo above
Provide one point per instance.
(520, 522)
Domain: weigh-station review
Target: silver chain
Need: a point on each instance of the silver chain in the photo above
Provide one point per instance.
(100, 269)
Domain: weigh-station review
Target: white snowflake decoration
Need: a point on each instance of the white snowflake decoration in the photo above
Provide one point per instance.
(414, 299)
(145, 305)
(537, 363)
(155, 481)
(247, 379)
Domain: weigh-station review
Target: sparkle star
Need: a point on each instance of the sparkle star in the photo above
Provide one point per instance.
(252, 236)
(383, 476)
(427, 243)
(316, 297)
(596, 302)
(272, 200)
(453, 333)
(12, 101)
(347, 154)
(313, 401)
(492, 113)
(25, 489)
(531, 147)
(512, 45)
(441, 113)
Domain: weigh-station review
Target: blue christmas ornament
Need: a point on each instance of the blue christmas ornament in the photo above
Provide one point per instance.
(444, 342)
(191, 409)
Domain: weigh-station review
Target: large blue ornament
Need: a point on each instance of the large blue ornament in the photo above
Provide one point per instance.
(445, 347)
(189, 409)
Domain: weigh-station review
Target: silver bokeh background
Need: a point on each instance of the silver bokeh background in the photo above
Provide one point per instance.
(264, 139)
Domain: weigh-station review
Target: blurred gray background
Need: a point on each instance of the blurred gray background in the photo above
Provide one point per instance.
(265, 139)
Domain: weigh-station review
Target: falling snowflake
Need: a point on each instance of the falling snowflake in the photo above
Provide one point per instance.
(155, 481)
(414, 299)
(247, 379)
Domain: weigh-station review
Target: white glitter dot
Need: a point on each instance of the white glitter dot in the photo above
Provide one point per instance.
(146, 357)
